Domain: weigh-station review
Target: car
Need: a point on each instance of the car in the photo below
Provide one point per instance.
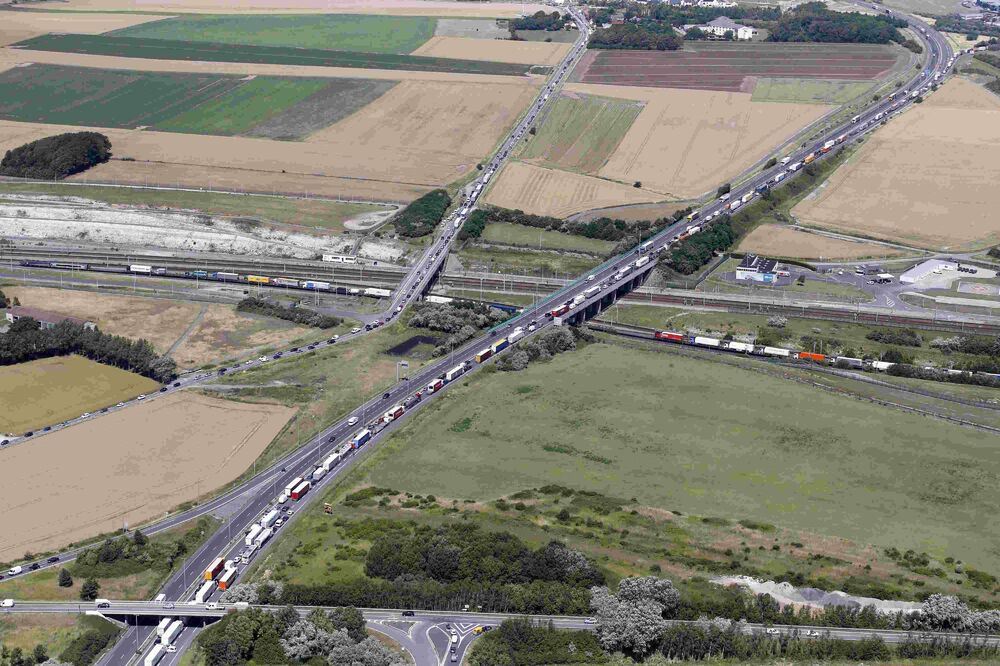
(85, 415)
(211, 605)
(171, 648)
(277, 356)
(453, 649)
(120, 404)
(176, 384)
(399, 308)
(4, 442)
(163, 390)
(487, 627)
(352, 421)
(407, 613)
(54, 558)
(279, 522)
(355, 330)
(35, 566)
(103, 410)
(169, 604)
(812, 633)
(47, 428)
(28, 434)
(771, 631)
(454, 657)
(222, 371)
(590, 620)
(333, 339)
(591, 278)
(385, 396)
(312, 346)
(142, 396)
(871, 281)
(290, 511)
(454, 632)
(262, 359)
(250, 362)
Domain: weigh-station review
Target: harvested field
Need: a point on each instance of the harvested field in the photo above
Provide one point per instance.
(775, 240)
(472, 28)
(581, 132)
(685, 143)
(138, 47)
(182, 102)
(928, 178)
(387, 7)
(541, 191)
(50, 390)
(809, 91)
(342, 32)
(18, 25)
(217, 331)
(56, 487)
(721, 66)
(495, 50)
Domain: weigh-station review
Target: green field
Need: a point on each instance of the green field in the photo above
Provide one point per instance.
(269, 106)
(50, 390)
(524, 262)
(341, 32)
(175, 49)
(524, 236)
(581, 132)
(329, 215)
(809, 91)
(710, 439)
(53, 630)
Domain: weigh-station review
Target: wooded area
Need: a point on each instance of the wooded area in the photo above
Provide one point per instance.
(56, 157)
(422, 215)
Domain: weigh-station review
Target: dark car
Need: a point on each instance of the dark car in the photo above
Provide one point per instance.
(222, 371)
(28, 434)
(385, 396)
(34, 566)
(294, 349)
(407, 613)
(162, 390)
(4, 442)
(176, 384)
(104, 409)
(54, 558)
(312, 346)
(46, 428)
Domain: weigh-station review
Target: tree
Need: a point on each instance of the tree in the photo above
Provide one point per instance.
(89, 590)
(695, 33)
(139, 539)
(40, 654)
(56, 156)
(267, 649)
(65, 579)
(637, 183)
(770, 163)
(723, 189)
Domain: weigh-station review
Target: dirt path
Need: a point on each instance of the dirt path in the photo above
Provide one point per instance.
(187, 332)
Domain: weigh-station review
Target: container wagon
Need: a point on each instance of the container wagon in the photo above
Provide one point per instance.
(313, 284)
(285, 282)
(258, 279)
(139, 268)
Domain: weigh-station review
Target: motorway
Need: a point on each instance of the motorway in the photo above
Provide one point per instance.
(244, 504)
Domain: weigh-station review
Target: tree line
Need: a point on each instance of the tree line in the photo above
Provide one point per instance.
(422, 215)
(690, 254)
(814, 22)
(602, 228)
(26, 341)
(647, 36)
(303, 316)
(540, 21)
(57, 157)
(955, 23)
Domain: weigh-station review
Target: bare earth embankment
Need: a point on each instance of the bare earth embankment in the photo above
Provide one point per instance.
(127, 467)
(928, 178)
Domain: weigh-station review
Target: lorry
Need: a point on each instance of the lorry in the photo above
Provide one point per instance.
(331, 461)
(483, 355)
(746, 197)
(454, 373)
(252, 534)
(394, 413)
(205, 591)
(360, 439)
(269, 518)
(795, 167)
(579, 298)
(318, 473)
(412, 400)
(248, 554)
(642, 262)
(515, 334)
(434, 386)
(227, 577)
(294, 482)
(162, 626)
(215, 568)
(155, 655)
(593, 291)
(172, 632)
(297, 494)
(809, 158)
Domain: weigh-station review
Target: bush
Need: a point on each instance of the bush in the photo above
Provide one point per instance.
(65, 579)
(906, 337)
(295, 314)
(83, 650)
(423, 214)
(540, 21)
(56, 157)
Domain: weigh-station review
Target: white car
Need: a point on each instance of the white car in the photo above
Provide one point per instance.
(352, 421)
(171, 648)
(120, 404)
(262, 359)
(590, 620)
(399, 308)
(85, 415)
(812, 633)
(591, 278)
(250, 362)
(771, 631)
(141, 397)
(355, 330)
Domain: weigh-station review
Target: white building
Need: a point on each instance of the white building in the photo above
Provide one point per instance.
(929, 267)
(756, 268)
(720, 26)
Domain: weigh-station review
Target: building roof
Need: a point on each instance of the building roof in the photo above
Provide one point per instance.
(753, 262)
(725, 23)
(44, 316)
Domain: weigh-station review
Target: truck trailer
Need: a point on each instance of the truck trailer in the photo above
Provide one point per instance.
(215, 568)
(269, 518)
(172, 632)
(297, 494)
(154, 656)
(252, 534)
(205, 591)
(226, 579)
(360, 439)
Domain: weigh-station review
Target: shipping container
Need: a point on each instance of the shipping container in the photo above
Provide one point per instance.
(435, 386)
(739, 346)
(502, 344)
(706, 342)
(198, 274)
(776, 351)
(285, 282)
(162, 626)
(315, 284)
(172, 632)
(154, 656)
(809, 356)
(377, 293)
(360, 439)
(205, 591)
(258, 279)
(227, 578)
(262, 538)
(139, 268)
(300, 490)
(269, 518)
(454, 373)
(252, 534)
(215, 568)
(483, 355)
(296, 481)
(225, 277)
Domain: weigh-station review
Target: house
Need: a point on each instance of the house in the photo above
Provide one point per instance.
(756, 268)
(46, 318)
(720, 26)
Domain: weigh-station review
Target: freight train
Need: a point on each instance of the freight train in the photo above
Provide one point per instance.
(212, 276)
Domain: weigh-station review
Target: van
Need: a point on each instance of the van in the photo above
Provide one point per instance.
(160, 598)
(7, 603)
(14, 571)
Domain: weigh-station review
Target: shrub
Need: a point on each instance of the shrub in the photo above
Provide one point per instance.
(295, 314)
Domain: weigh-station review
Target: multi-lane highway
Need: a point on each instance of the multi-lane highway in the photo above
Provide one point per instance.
(244, 504)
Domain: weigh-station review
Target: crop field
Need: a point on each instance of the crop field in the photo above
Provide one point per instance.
(475, 28)
(712, 440)
(581, 132)
(340, 32)
(809, 91)
(174, 49)
(926, 179)
(182, 102)
(495, 50)
(277, 7)
(155, 456)
(720, 66)
(541, 191)
(633, 213)
(316, 213)
(687, 142)
(543, 239)
(198, 334)
(17, 26)
(782, 241)
(50, 390)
